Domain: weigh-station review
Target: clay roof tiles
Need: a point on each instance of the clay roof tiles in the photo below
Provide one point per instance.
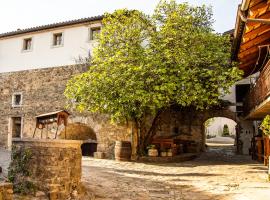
(51, 26)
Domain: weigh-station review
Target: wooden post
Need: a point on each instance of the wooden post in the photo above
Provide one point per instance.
(259, 146)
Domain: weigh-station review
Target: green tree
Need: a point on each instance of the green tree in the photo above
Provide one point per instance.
(145, 64)
(226, 131)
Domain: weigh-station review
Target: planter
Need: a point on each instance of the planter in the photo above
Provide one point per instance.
(152, 152)
(163, 154)
(170, 154)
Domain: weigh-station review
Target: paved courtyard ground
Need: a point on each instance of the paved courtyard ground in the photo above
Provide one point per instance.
(216, 175)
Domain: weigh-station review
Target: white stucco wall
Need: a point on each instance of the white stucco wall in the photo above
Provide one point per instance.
(43, 54)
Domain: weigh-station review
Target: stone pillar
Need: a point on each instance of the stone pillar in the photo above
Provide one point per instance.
(51, 166)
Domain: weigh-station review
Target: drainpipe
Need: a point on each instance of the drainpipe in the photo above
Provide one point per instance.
(245, 4)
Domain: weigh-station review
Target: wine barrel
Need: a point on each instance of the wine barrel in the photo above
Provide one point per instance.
(122, 150)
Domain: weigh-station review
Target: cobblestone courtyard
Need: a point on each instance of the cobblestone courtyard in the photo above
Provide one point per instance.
(215, 175)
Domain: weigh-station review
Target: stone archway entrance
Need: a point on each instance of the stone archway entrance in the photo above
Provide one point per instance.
(220, 131)
(80, 131)
(228, 116)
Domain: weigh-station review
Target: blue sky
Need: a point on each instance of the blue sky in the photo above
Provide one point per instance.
(28, 13)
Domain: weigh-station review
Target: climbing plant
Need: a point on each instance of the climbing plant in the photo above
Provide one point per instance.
(19, 171)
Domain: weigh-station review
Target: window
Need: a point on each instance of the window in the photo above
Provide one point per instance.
(17, 100)
(94, 33)
(57, 39)
(27, 44)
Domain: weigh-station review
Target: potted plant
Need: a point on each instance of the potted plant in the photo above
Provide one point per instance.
(152, 151)
(170, 153)
(163, 152)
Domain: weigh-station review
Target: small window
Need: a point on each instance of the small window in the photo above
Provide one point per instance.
(17, 100)
(94, 33)
(57, 39)
(27, 44)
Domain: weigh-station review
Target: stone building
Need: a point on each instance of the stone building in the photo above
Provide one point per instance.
(35, 65)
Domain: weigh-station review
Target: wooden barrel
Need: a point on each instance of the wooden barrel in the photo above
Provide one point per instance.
(122, 150)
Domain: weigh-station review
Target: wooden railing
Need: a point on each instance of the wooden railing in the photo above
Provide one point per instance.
(258, 92)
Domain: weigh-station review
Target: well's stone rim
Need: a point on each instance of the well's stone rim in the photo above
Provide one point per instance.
(48, 142)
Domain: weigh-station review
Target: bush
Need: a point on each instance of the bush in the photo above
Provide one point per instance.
(226, 131)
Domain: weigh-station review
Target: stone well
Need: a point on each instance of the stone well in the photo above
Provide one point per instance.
(53, 166)
(6, 191)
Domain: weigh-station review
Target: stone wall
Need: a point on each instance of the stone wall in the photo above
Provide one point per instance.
(6, 191)
(42, 92)
(51, 166)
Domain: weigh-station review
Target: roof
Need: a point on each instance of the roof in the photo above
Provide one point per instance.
(52, 113)
(51, 26)
(251, 35)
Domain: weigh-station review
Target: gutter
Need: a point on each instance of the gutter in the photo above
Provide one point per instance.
(246, 20)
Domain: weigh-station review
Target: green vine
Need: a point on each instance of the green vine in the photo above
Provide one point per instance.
(19, 171)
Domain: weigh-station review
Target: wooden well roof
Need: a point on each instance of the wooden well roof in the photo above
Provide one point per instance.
(251, 38)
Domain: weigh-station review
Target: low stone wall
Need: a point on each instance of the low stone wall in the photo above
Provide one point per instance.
(6, 191)
(51, 166)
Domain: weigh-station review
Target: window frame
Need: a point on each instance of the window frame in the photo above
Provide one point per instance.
(24, 44)
(90, 32)
(54, 35)
(14, 98)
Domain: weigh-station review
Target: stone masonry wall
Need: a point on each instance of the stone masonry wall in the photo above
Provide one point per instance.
(6, 191)
(42, 92)
(53, 166)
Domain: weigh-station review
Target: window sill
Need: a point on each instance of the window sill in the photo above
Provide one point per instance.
(57, 46)
(27, 51)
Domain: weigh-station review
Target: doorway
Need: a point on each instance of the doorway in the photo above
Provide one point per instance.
(16, 127)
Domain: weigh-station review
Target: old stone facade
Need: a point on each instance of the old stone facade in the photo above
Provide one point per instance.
(6, 191)
(53, 167)
(41, 92)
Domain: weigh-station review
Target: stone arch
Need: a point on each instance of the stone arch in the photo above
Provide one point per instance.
(81, 131)
(224, 113)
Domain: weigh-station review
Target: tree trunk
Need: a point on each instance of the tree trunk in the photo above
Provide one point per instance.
(146, 136)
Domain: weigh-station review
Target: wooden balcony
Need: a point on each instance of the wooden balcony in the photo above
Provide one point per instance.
(257, 101)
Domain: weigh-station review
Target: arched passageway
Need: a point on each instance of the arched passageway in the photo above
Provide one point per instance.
(80, 131)
(220, 132)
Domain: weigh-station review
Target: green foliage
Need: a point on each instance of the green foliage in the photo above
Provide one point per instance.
(208, 122)
(18, 170)
(265, 125)
(226, 131)
(145, 64)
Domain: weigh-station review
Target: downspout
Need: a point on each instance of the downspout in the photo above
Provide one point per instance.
(243, 16)
(245, 5)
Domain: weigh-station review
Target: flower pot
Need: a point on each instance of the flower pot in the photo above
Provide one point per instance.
(152, 152)
(170, 154)
(163, 154)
